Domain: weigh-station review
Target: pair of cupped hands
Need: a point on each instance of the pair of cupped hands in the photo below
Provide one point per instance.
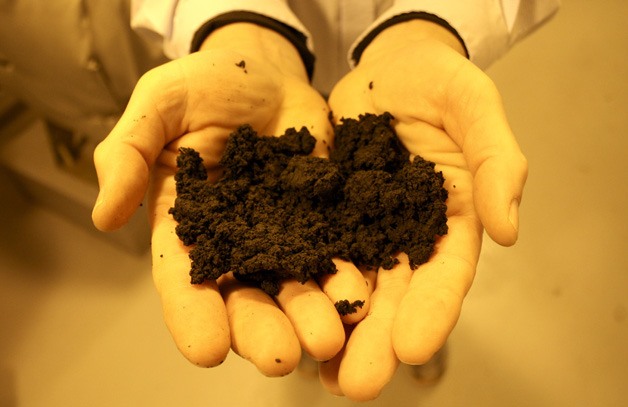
(445, 109)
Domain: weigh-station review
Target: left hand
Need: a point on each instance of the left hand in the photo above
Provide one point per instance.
(197, 101)
(449, 112)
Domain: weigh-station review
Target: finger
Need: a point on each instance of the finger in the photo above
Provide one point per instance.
(313, 317)
(497, 197)
(369, 360)
(328, 374)
(347, 284)
(328, 370)
(260, 332)
(195, 314)
(477, 122)
(124, 159)
(430, 308)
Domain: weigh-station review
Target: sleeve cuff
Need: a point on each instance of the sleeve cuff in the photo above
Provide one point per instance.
(362, 43)
(486, 28)
(478, 23)
(296, 38)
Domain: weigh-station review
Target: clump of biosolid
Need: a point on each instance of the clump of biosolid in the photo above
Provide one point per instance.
(279, 213)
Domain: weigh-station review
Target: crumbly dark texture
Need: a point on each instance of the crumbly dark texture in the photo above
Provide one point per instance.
(279, 213)
(344, 307)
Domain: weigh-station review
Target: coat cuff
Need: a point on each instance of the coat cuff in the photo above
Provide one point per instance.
(296, 38)
(360, 46)
(176, 22)
(479, 24)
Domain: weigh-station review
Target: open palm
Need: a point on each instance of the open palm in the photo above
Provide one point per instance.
(196, 102)
(447, 111)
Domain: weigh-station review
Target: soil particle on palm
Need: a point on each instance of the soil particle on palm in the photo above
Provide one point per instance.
(278, 213)
(345, 307)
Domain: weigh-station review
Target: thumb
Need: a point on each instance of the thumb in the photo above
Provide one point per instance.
(479, 126)
(497, 189)
(124, 159)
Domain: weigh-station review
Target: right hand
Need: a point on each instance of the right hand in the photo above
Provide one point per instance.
(197, 101)
(449, 112)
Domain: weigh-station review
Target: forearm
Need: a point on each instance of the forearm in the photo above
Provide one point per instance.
(399, 36)
(260, 43)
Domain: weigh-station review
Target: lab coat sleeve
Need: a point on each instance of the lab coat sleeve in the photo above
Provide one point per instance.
(488, 28)
(176, 21)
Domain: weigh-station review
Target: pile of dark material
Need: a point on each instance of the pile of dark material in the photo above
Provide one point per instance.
(279, 213)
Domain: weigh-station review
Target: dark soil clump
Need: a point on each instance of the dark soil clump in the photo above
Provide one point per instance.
(344, 307)
(279, 213)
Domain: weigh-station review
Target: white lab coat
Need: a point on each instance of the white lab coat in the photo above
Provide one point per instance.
(76, 61)
(334, 27)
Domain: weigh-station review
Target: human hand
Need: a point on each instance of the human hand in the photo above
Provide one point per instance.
(449, 112)
(196, 102)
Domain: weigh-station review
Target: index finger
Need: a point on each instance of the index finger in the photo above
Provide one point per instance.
(195, 314)
(431, 306)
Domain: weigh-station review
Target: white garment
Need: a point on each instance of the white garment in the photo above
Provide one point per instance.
(334, 27)
(76, 61)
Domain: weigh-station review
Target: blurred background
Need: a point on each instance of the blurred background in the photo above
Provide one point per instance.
(545, 324)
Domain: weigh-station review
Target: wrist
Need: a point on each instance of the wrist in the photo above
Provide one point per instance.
(400, 35)
(260, 43)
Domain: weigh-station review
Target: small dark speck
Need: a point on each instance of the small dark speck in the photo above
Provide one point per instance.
(619, 314)
(278, 360)
(371, 85)
(161, 255)
(454, 186)
(242, 65)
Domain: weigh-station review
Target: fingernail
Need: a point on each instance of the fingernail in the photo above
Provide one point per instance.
(513, 214)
